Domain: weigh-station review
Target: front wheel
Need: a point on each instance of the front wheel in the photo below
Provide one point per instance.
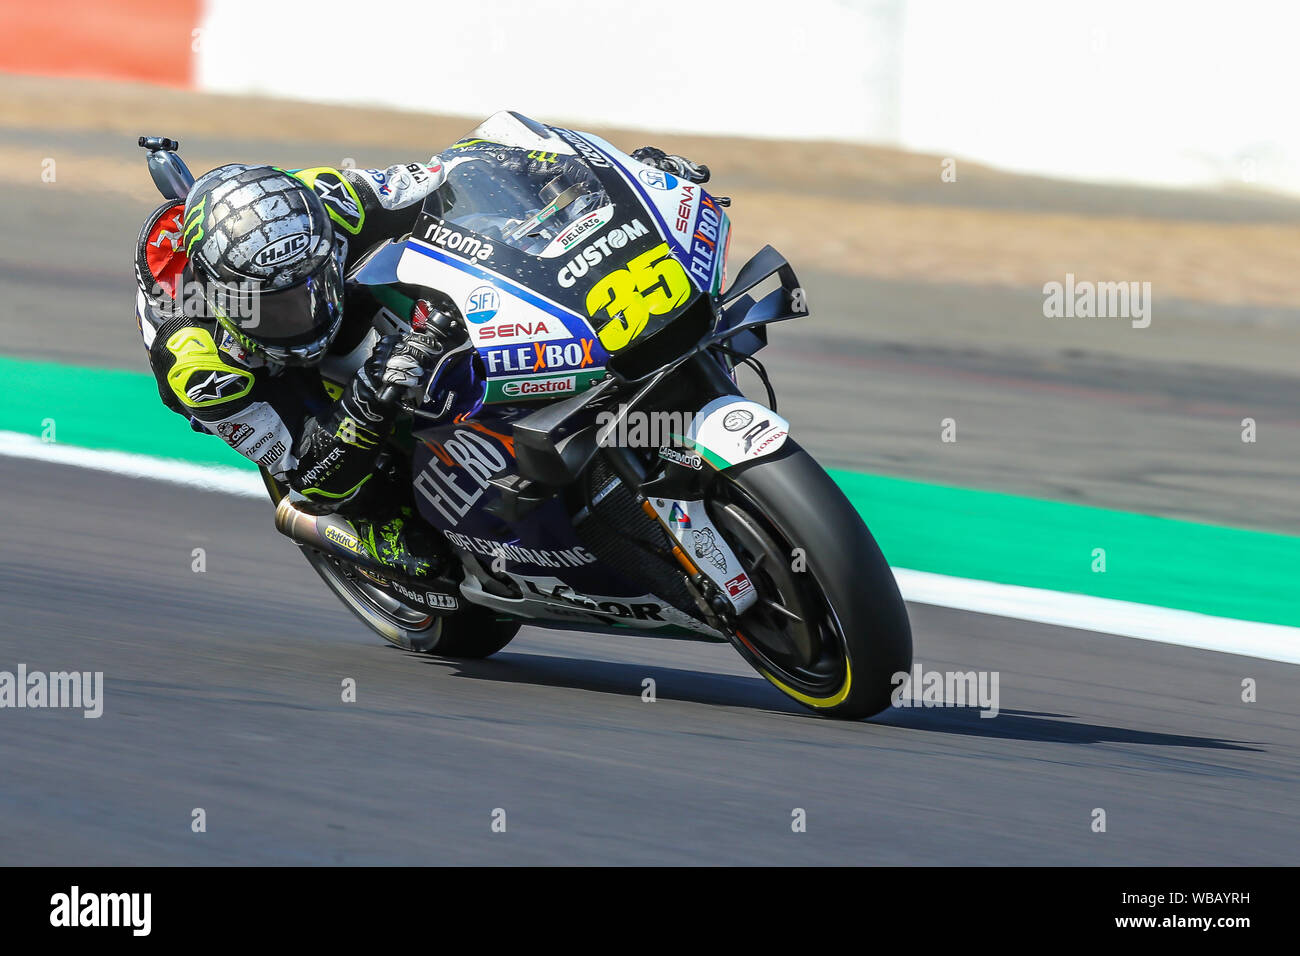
(829, 627)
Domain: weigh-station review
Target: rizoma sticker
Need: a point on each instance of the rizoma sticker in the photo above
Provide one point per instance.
(437, 233)
(600, 247)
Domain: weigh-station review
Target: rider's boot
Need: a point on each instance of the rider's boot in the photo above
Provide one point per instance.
(401, 541)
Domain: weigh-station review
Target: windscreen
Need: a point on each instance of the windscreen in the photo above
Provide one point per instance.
(526, 211)
(560, 223)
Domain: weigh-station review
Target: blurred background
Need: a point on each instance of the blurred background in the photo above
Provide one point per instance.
(927, 166)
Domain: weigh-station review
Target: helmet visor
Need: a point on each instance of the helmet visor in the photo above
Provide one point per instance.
(295, 324)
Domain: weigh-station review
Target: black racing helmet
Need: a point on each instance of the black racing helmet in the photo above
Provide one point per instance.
(268, 266)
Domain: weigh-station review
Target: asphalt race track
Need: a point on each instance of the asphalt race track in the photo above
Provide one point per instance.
(222, 691)
(222, 688)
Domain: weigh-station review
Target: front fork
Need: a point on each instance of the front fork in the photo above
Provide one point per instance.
(706, 590)
(675, 502)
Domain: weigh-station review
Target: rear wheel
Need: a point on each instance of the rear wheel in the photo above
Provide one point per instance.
(395, 622)
(472, 632)
(829, 627)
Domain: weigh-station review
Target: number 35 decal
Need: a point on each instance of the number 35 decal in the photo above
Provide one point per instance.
(653, 283)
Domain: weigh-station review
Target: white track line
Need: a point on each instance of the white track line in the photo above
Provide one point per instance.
(1103, 615)
(231, 481)
(1146, 622)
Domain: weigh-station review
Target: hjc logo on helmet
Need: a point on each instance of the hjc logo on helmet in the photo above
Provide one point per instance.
(279, 250)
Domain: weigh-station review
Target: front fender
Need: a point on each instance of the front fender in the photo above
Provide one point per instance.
(731, 431)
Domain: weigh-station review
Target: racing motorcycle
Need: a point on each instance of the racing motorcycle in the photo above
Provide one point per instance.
(600, 307)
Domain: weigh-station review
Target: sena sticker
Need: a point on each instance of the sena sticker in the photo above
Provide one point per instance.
(503, 333)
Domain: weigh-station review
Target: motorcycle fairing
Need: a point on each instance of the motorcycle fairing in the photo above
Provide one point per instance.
(525, 338)
(453, 464)
(546, 321)
(696, 226)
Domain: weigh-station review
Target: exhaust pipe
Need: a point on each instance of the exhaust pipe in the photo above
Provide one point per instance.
(327, 533)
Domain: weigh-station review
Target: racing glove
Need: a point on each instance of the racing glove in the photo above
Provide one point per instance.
(336, 455)
(537, 164)
(677, 165)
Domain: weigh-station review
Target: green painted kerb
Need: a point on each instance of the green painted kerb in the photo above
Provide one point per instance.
(1228, 572)
(102, 408)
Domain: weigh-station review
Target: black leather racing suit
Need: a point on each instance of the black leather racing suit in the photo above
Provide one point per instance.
(284, 418)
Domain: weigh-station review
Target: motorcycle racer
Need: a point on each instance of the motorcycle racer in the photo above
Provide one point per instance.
(242, 297)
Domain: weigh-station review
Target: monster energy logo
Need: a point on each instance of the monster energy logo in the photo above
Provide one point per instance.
(351, 433)
(193, 231)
